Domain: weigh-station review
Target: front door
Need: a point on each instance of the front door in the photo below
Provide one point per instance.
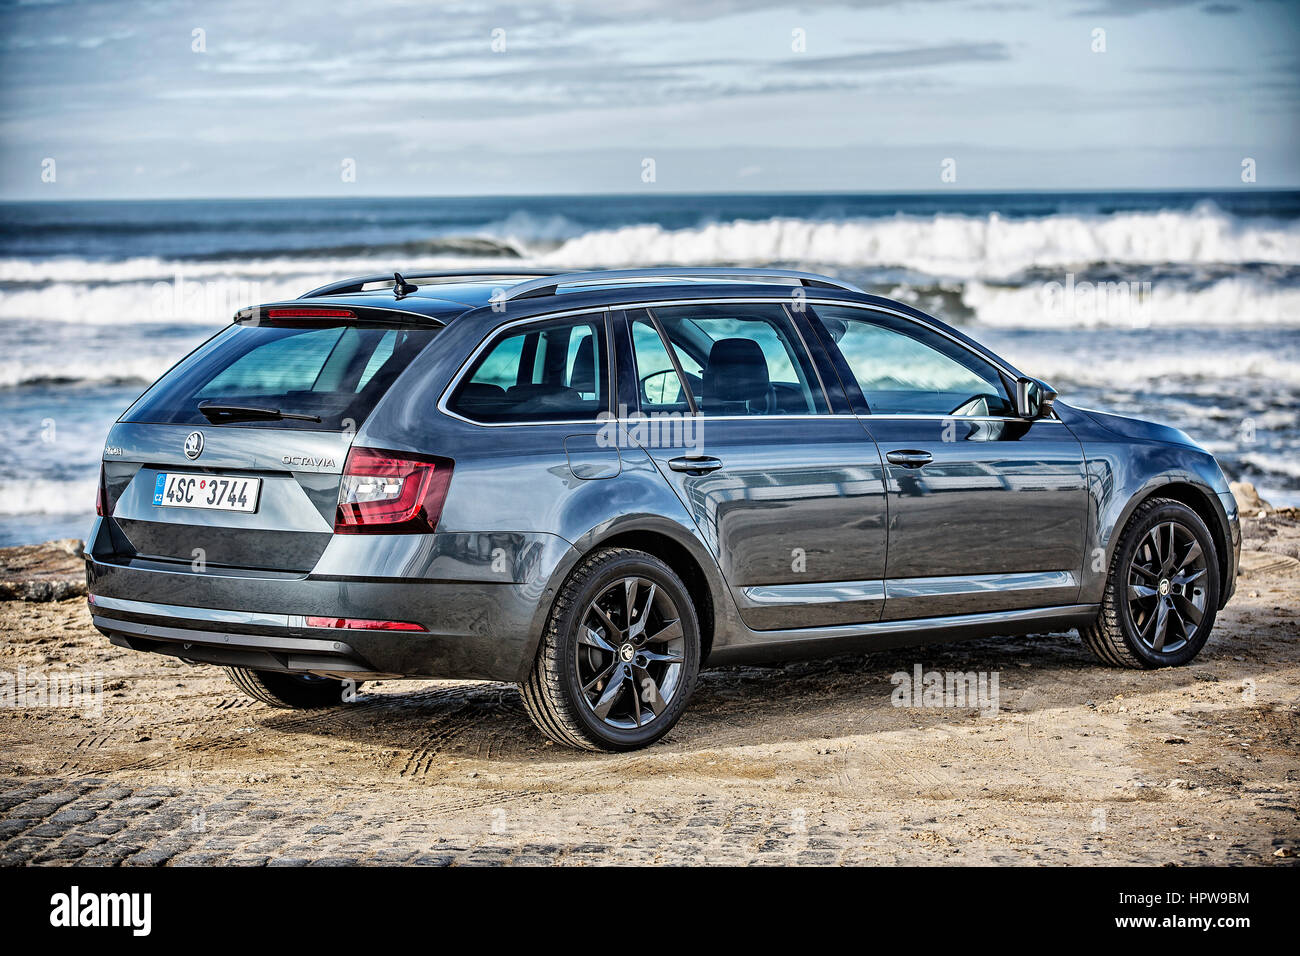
(987, 511)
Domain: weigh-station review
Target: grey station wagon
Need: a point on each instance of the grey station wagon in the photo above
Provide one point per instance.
(590, 484)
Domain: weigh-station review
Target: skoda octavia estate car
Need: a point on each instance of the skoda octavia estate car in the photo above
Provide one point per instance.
(591, 484)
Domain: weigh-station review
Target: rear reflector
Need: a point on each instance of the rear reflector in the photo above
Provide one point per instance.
(310, 314)
(386, 492)
(361, 624)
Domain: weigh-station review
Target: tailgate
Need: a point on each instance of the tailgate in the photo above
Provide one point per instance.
(234, 458)
(294, 490)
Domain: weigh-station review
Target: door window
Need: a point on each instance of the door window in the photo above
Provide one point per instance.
(734, 359)
(906, 369)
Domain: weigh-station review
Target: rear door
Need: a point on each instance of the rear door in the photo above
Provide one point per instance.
(986, 511)
(240, 486)
(784, 486)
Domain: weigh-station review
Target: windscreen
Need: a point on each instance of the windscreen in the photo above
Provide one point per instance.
(336, 373)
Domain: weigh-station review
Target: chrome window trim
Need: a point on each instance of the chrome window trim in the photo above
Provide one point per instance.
(496, 333)
(756, 418)
(966, 418)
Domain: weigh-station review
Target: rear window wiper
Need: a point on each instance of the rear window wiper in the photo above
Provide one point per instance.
(222, 412)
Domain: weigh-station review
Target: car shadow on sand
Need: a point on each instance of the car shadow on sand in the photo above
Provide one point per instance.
(739, 706)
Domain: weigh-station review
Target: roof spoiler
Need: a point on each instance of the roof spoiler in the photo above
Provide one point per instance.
(296, 312)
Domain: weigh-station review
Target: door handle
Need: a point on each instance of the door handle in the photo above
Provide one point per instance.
(909, 458)
(695, 466)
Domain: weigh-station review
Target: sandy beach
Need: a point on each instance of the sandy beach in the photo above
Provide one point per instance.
(807, 762)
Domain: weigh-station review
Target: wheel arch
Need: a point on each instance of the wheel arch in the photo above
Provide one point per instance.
(680, 559)
(1200, 499)
(670, 541)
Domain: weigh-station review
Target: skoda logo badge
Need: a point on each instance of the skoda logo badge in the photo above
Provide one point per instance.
(194, 445)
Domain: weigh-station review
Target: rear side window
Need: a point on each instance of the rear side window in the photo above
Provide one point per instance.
(546, 372)
(337, 373)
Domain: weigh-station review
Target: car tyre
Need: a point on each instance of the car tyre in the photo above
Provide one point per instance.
(1162, 590)
(619, 655)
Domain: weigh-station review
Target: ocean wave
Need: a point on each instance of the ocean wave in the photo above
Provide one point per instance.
(947, 244)
(1273, 464)
(1069, 304)
(1014, 272)
(988, 247)
(1090, 370)
(45, 496)
(191, 299)
(527, 230)
(473, 246)
(194, 299)
(18, 273)
(154, 290)
(57, 368)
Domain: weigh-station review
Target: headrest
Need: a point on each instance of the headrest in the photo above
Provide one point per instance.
(584, 366)
(736, 372)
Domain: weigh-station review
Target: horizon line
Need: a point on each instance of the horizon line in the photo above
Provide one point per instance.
(667, 194)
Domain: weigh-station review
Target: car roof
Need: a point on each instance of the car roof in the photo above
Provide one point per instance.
(493, 298)
(437, 294)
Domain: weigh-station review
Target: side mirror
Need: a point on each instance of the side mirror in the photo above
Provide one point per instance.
(1034, 399)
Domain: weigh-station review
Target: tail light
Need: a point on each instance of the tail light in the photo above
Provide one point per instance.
(386, 492)
(361, 624)
(102, 506)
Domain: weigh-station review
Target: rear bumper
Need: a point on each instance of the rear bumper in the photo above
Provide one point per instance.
(481, 600)
(200, 635)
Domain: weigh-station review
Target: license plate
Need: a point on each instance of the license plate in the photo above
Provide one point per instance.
(214, 492)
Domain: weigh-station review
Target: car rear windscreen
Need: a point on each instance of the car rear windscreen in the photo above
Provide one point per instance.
(336, 373)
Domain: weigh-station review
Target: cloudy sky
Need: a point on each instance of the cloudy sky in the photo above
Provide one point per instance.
(286, 97)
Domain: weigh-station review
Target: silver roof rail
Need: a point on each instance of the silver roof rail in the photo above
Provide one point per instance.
(358, 283)
(549, 285)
